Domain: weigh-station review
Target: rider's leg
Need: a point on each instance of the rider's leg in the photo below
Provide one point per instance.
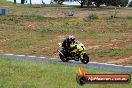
(66, 51)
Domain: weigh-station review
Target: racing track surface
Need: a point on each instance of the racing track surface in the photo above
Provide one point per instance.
(112, 67)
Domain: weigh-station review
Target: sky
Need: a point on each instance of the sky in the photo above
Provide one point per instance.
(39, 1)
(46, 1)
(33, 1)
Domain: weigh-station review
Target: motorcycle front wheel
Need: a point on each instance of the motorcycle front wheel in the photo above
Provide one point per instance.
(85, 59)
(64, 59)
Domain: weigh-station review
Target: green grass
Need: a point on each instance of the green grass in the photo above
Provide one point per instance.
(2, 1)
(5, 2)
(30, 74)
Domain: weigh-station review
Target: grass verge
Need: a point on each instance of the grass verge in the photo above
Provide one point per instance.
(29, 74)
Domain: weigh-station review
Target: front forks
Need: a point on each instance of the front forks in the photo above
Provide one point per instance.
(61, 53)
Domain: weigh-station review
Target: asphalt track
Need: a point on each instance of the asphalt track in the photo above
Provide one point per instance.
(106, 66)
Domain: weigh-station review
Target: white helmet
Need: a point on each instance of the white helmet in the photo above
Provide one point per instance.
(71, 37)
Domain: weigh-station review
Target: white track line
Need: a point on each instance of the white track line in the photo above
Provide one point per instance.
(128, 66)
(70, 60)
(31, 56)
(52, 58)
(20, 55)
(41, 57)
(8, 54)
(108, 64)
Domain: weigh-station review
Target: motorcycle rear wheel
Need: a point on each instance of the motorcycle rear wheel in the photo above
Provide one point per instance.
(85, 59)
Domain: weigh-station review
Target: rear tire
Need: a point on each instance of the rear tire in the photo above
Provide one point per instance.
(85, 59)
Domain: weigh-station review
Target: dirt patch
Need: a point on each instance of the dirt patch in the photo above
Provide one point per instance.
(115, 43)
(120, 61)
(61, 37)
(62, 14)
(54, 14)
(1, 51)
(99, 58)
(3, 39)
(32, 24)
(55, 55)
(94, 47)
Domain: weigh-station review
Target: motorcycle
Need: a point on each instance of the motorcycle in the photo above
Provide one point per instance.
(78, 53)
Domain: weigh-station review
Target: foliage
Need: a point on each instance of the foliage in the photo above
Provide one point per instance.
(121, 3)
(91, 16)
(59, 1)
(130, 4)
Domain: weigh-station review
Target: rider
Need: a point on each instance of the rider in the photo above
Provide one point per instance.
(66, 44)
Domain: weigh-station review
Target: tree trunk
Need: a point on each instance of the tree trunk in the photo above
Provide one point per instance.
(30, 3)
(22, 1)
(14, 1)
(43, 2)
(81, 4)
(98, 3)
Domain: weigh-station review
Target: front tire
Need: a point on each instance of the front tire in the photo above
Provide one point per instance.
(64, 59)
(85, 59)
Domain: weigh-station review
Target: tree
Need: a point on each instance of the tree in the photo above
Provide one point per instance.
(97, 2)
(130, 4)
(123, 3)
(43, 2)
(59, 1)
(82, 2)
(88, 2)
(14, 1)
(30, 2)
(22, 1)
(115, 2)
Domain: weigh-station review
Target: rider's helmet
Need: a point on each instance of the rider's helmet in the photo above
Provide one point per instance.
(71, 38)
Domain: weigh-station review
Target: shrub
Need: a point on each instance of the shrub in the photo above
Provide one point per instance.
(92, 16)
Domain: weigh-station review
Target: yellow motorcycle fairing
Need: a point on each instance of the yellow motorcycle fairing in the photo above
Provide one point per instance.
(78, 47)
